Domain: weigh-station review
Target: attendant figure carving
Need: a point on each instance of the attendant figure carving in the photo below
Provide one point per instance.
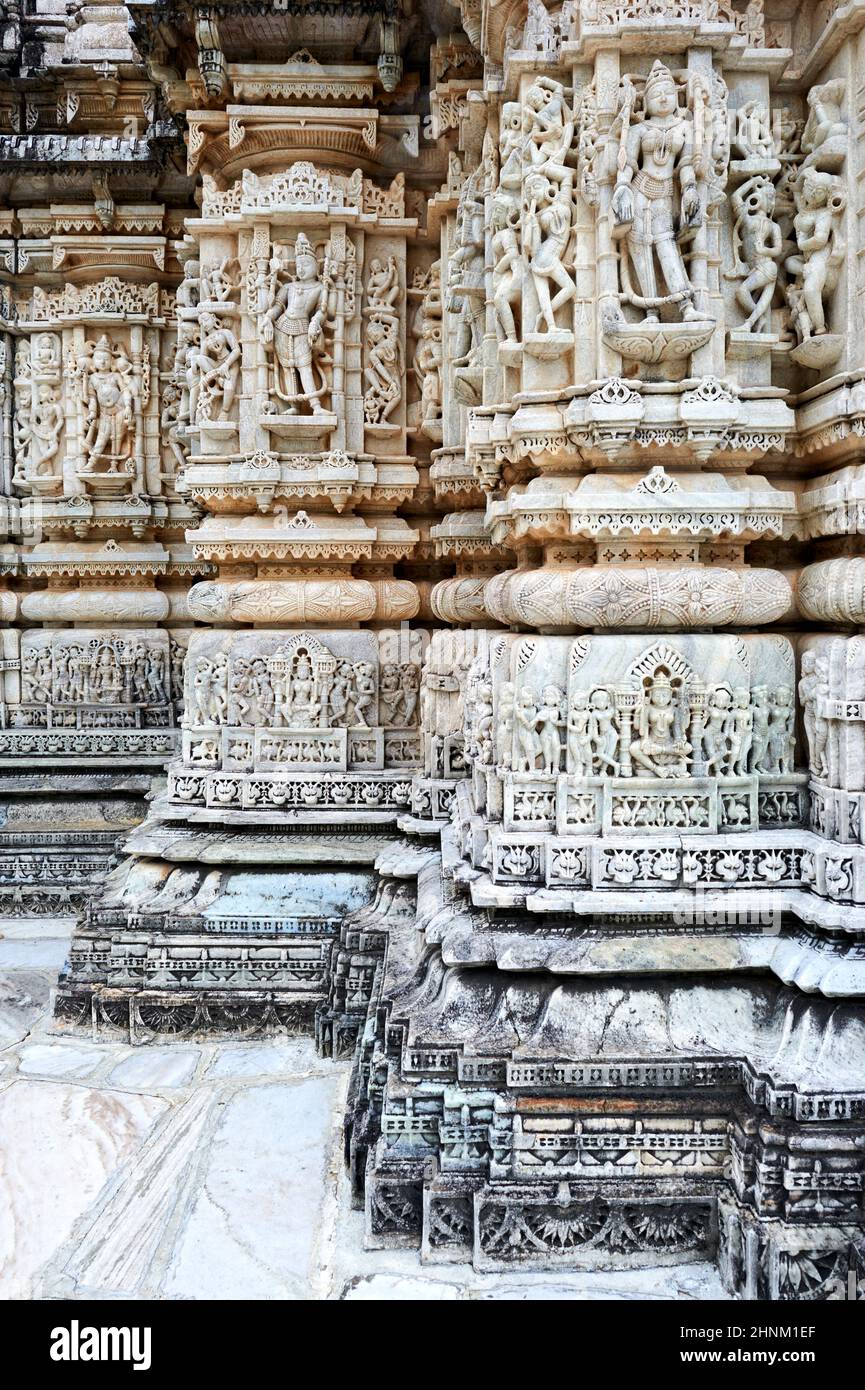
(213, 367)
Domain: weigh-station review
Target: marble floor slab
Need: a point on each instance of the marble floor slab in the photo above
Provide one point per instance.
(209, 1170)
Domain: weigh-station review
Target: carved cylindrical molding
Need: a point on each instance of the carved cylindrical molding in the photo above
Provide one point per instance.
(8, 606)
(178, 605)
(607, 597)
(833, 591)
(95, 606)
(425, 612)
(396, 599)
(283, 601)
(460, 600)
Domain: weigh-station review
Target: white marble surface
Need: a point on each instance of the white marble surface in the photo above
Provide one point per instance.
(203, 1171)
(61, 1142)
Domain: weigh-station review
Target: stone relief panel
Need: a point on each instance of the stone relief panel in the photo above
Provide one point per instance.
(91, 691)
(87, 390)
(312, 705)
(623, 735)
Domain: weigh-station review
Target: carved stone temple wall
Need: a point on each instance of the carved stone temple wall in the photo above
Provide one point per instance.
(433, 594)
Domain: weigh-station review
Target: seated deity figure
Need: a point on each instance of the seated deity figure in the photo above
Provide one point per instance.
(382, 287)
(549, 128)
(303, 704)
(660, 747)
(217, 283)
(106, 679)
(189, 289)
(295, 327)
(658, 164)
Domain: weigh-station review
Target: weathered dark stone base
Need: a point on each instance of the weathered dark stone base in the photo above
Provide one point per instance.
(58, 836)
(509, 1118)
(545, 1153)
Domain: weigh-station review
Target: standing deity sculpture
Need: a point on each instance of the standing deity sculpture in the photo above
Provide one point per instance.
(603, 734)
(508, 267)
(110, 408)
(294, 325)
(813, 272)
(507, 275)
(813, 691)
(38, 414)
(665, 155)
(547, 221)
(547, 212)
(741, 732)
(717, 730)
(550, 723)
(820, 199)
(782, 716)
(43, 430)
(578, 737)
(210, 690)
(528, 742)
(656, 164)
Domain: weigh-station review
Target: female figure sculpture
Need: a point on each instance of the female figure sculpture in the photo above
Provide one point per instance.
(656, 186)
